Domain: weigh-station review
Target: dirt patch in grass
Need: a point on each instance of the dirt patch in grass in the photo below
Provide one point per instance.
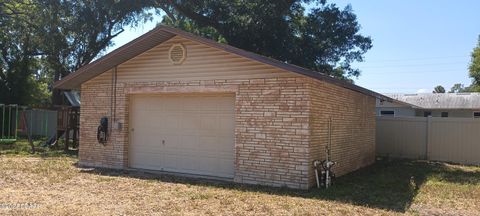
(57, 186)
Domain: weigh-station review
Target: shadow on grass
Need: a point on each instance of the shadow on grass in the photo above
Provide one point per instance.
(389, 185)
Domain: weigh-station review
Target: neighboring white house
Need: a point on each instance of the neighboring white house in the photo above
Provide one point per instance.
(457, 105)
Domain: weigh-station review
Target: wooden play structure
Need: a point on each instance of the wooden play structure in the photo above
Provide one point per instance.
(68, 119)
(68, 124)
(54, 123)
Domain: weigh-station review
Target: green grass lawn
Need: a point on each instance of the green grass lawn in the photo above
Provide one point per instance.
(57, 186)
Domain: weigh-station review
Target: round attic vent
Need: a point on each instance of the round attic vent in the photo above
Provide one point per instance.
(177, 53)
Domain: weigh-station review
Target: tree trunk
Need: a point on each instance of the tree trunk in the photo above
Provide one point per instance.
(57, 97)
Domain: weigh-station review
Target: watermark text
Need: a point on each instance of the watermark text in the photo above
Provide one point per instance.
(18, 205)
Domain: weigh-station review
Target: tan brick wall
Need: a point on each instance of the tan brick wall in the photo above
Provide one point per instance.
(271, 137)
(281, 125)
(353, 126)
(272, 132)
(96, 102)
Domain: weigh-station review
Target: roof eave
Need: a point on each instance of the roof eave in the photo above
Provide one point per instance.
(66, 83)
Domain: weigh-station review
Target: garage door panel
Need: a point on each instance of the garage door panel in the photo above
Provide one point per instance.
(198, 132)
(170, 162)
(225, 122)
(209, 143)
(169, 122)
(172, 104)
(192, 105)
(223, 144)
(141, 104)
(148, 160)
(202, 104)
(188, 163)
(185, 143)
(209, 122)
(207, 163)
(216, 144)
(225, 104)
(225, 166)
(143, 114)
(148, 148)
(153, 105)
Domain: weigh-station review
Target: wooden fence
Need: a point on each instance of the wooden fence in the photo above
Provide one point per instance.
(441, 139)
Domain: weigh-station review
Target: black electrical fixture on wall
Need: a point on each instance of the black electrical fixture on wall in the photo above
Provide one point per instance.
(102, 131)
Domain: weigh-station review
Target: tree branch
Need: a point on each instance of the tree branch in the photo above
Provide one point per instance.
(200, 19)
(168, 12)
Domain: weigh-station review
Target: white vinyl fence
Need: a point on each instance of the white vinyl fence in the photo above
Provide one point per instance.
(441, 139)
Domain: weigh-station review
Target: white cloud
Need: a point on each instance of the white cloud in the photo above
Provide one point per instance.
(423, 91)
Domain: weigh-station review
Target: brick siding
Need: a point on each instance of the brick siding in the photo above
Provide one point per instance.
(352, 117)
(280, 125)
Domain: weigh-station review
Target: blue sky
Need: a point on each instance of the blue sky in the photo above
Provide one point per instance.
(416, 44)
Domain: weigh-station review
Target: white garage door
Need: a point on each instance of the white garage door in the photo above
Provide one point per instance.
(183, 133)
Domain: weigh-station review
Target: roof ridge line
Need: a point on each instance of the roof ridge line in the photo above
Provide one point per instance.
(119, 52)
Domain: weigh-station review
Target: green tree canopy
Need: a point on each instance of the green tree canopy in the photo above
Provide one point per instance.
(474, 67)
(325, 38)
(44, 40)
(73, 33)
(459, 88)
(21, 79)
(439, 89)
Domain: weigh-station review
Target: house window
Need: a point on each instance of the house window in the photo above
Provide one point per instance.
(387, 113)
(444, 114)
(427, 114)
(476, 114)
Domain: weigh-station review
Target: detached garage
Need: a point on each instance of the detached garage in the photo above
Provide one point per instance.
(179, 103)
